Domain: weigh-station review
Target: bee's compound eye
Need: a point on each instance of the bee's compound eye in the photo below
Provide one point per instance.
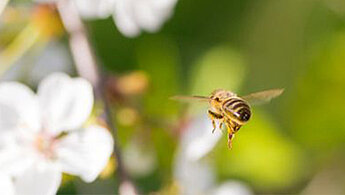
(217, 99)
(244, 114)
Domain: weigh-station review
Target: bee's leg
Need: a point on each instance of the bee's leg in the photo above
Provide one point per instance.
(230, 138)
(229, 127)
(221, 124)
(214, 126)
(214, 116)
(231, 132)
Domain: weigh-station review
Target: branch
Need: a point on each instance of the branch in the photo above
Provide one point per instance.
(87, 67)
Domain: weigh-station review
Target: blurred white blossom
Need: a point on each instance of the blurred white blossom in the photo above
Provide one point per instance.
(193, 173)
(198, 139)
(130, 16)
(133, 15)
(6, 185)
(233, 188)
(194, 177)
(43, 135)
(95, 9)
(134, 153)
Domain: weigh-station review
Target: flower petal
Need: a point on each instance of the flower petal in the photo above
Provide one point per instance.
(194, 177)
(18, 107)
(145, 16)
(86, 152)
(124, 18)
(13, 159)
(94, 9)
(40, 179)
(6, 185)
(232, 187)
(66, 103)
(198, 139)
(134, 153)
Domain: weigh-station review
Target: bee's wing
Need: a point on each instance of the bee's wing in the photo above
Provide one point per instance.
(262, 96)
(190, 98)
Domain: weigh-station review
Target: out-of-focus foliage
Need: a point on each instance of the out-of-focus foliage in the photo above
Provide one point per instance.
(322, 127)
(222, 67)
(244, 46)
(160, 60)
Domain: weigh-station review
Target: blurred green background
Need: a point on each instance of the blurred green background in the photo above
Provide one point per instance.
(293, 145)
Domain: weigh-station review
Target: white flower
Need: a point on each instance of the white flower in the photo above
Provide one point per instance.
(194, 174)
(198, 139)
(232, 187)
(130, 16)
(6, 185)
(90, 9)
(42, 135)
(134, 153)
(194, 177)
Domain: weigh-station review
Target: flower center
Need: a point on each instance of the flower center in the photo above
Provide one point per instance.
(45, 145)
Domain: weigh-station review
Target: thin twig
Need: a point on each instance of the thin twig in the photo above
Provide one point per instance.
(87, 67)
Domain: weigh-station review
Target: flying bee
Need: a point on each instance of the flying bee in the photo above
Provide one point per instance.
(230, 109)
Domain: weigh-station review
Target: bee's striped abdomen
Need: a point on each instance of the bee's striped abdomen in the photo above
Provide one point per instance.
(237, 108)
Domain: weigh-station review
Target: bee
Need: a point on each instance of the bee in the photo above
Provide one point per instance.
(230, 109)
